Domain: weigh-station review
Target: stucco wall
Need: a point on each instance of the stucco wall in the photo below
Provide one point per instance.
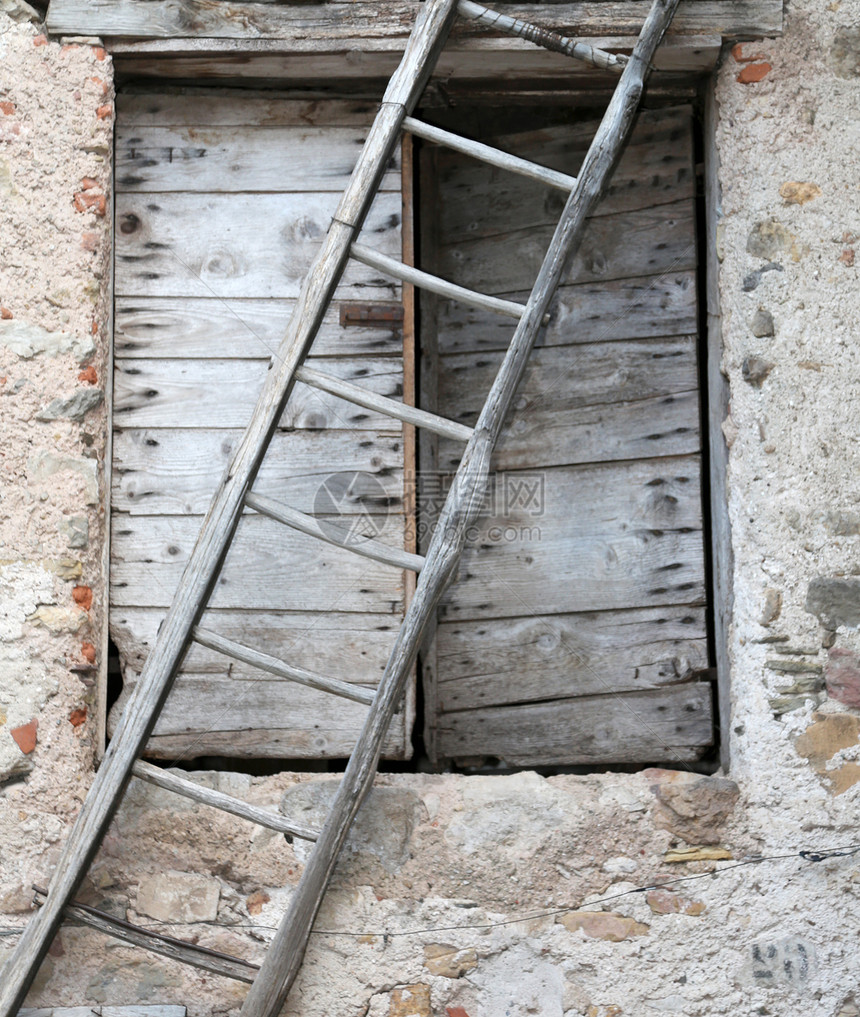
(439, 860)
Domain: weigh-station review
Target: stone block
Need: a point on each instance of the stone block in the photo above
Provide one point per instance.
(73, 407)
(827, 735)
(179, 897)
(383, 828)
(762, 324)
(665, 902)
(410, 1001)
(693, 807)
(603, 925)
(842, 677)
(449, 961)
(834, 601)
(29, 340)
(845, 52)
(44, 465)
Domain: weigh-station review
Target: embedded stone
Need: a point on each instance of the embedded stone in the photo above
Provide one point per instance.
(762, 324)
(844, 523)
(827, 735)
(73, 407)
(59, 619)
(772, 607)
(449, 961)
(604, 925)
(795, 192)
(29, 340)
(697, 854)
(842, 677)
(179, 897)
(769, 238)
(755, 370)
(691, 806)
(44, 465)
(410, 1001)
(76, 530)
(834, 601)
(665, 902)
(845, 52)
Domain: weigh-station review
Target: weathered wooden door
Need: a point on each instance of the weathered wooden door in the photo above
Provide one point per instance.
(576, 632)
(222, 199)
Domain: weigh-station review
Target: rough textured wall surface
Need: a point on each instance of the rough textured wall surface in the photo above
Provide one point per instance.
(479, 896)
(56, 116)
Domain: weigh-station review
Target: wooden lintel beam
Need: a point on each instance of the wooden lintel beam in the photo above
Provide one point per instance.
(361, 21)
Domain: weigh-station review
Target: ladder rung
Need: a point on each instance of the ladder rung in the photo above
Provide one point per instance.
(491, 155)
(395, 268)
(542, 36)
(382, 404)
(217, 799)
(167, 946)
(332, 533)
(271, 664)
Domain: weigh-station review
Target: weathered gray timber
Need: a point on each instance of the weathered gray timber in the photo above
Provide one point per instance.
(491, 155)
(400, 411)
(173, 471)
(665, 725)
(172, 781)
(392, 267)
(270, 989)
(200, 576)
(336, 534)
(366, 20)
(605, 389)
(167, 946)
(494, 19)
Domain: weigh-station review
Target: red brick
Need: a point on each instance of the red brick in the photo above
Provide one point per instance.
(78, 717)
(89, 241)
(842, 676)
(7, 107)
(83, 597)
(103, 85)
(95, 202)
(89, 375)
(99, 52)
(40, 40)
(455, 1011)
(25, 736)
(847, 257)
(88, 184)
(88, 652)
(5, 313)
(754, 72)
(103, 112)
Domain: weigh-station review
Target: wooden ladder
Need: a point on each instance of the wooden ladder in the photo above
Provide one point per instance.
(271, 982)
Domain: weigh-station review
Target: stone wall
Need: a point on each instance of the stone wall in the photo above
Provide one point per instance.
(481, 896)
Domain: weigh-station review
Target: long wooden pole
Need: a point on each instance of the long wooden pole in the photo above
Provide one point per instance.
(284, 957)
(404, 89)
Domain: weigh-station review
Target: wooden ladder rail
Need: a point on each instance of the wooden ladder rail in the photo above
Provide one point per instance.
(138, 719)
(270, 988)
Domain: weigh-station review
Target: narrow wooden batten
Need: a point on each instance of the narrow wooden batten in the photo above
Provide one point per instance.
(274, 666)
(334, 533)
(369, 400)
(488, 154)
(167, 946)
(396, 269)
